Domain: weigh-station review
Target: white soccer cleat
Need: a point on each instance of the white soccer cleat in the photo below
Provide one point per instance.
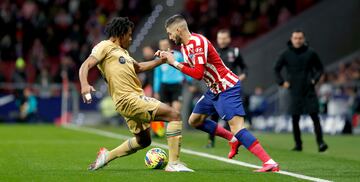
(100, 160)
(177, 167)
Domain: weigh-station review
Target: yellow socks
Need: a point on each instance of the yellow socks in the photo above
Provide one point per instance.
(130, 146)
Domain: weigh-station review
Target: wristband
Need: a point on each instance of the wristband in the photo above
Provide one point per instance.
(176, 64)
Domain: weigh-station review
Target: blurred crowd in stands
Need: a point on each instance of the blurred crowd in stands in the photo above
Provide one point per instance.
(246, 19)
(339, 92)
(49, 38)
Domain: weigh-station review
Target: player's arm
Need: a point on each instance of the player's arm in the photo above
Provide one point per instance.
(196, 72)
(280, 63)
(86, 89)
(148, 65)
(318, 68)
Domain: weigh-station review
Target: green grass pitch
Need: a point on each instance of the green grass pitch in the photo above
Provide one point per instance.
(49, 153)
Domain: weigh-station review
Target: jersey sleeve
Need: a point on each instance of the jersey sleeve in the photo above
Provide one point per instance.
(98, 51)
(196, 72)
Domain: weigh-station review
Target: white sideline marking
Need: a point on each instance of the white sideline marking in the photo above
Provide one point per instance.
(188, 151)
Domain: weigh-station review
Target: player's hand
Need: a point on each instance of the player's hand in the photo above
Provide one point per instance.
(242, 77)
(169, 56)
(162, 58)
(286, 85)
(157, 53)
(86, 93)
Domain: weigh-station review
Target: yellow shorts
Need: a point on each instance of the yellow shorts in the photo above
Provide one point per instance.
(138, 111)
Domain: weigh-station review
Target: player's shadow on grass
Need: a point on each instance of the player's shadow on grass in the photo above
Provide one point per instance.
(127, 170)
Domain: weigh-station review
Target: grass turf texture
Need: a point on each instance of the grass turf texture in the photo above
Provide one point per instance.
(49, 153)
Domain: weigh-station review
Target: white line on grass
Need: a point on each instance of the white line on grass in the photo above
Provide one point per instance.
(191, 152)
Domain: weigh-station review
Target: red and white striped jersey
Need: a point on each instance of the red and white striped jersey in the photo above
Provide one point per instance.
(217, 76)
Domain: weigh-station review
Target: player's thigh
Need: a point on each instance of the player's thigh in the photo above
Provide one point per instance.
(197, 119)
(137, 127)
(230, 104)
(140, 108)
(204, 106)
(167, 113)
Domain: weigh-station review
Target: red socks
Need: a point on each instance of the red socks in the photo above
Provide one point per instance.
(259, 151)
(222, 132)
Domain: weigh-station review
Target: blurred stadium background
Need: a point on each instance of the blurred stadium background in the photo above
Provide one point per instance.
(43, 43)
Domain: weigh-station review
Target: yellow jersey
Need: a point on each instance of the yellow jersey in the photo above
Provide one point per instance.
(117, 68)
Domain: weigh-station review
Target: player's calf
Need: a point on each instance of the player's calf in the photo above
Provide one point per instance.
(200, 122)
(253, 145)
(173, 135)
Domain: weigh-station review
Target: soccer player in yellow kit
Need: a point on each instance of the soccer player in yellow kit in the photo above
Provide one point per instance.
(120, 70)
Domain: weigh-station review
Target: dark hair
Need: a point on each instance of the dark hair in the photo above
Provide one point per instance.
(225, 31)
(173, 19)
(298, 30)
(118, 27)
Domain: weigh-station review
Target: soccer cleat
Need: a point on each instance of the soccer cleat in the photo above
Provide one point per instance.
(177, 167)
(323, 147)
(297, 148)
(234, 148)
(269, 168)
(100, 160)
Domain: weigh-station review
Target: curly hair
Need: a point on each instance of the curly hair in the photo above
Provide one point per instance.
(118, 27)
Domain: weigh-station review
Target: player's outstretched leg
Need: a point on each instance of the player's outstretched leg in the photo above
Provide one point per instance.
(200, 122)
(252, 144)
(130, 146)
(173, 134)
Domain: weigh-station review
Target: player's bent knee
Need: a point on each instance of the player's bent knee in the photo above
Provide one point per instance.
(144, 142)
(193, 122)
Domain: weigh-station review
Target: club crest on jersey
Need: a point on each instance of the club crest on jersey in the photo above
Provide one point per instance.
(122, 60)
(191, 56)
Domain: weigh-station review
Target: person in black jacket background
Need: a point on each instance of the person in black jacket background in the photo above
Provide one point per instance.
(233, 60)
(231, 55)
(304, 69)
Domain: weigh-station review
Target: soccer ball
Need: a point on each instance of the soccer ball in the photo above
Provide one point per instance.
(156, 158)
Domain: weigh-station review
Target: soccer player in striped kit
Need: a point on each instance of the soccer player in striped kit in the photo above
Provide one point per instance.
(202, 62)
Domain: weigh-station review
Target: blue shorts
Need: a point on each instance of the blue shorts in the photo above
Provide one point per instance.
(227, 104)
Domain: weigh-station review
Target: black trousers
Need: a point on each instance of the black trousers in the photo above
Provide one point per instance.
(317, 127)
